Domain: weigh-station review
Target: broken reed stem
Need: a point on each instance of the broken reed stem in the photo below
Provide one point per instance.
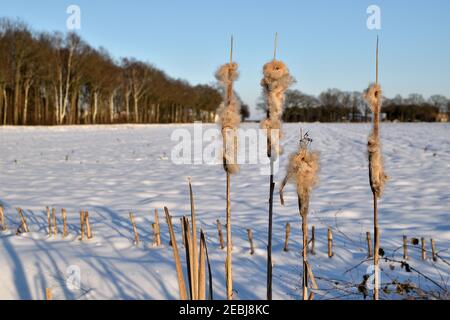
(64, 218)
(433, 250)
(203, 239)
(189, 258)
(4, 227)
(88, 225)
(176, 255)
(183, 235)
(313, 280)
(55, 225)
(424, 250)
(157, 229)
(405, 248)
(330, 243)
(48, 294)
(201, 295)
(286, 241)
(49, 221)
(229, 274)
(82, 225)
(369, 245)
(250, 239)
(313, 240)
(220, 234)
(23, 228)
(194, 239)
(136, 234)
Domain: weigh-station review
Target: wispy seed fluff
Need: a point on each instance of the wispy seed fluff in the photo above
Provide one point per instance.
(275, 83)
(229, 116)
(377, 176)
(302, 171)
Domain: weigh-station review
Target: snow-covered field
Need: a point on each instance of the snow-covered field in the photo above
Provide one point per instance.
(111, 171)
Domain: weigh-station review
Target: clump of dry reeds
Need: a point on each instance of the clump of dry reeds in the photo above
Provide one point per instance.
(377, 176)
(229, 120)
(302, 172)
(275, 82)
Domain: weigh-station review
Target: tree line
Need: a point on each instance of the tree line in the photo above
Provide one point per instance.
(334, 105)
(56, 79)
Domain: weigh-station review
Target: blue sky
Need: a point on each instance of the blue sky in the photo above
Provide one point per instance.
(325, 43)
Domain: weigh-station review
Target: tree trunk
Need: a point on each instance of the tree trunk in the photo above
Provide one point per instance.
(25, 103)
(127, 105)
(94, 114)
(111, 106)
(136, 109)
(5, 113)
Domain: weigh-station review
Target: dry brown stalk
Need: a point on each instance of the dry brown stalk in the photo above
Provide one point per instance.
(202, 270)
(250, 239)
(88, 225)
(23, 228)
(180, 277)
(55, 225)
(424, 250)
(433, 250)
(4, 227)
(194, 239)
(330, 243)
(82, 225)
(405, 247)
(369, 245)
(49, 221)
(136, 234)
(48, 294)
(64, 217)
(220, 234)
(286, 241)
(157, 229)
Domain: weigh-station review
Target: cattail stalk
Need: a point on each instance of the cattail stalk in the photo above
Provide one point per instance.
(229, 114)
(48, 294)
(302, 171)
(377, 177)
(275, 83)
(180, 276)
(189, 259)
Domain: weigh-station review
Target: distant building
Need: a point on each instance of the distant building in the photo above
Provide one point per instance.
(442, 117)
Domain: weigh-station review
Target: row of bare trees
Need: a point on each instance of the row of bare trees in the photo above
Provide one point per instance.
(335, 105)
(56, 79)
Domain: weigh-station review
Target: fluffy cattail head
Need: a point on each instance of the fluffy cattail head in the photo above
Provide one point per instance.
(373, 96)
(302, 171)
(227, 73)
(229, 116)
(275, 82)
(276, 76)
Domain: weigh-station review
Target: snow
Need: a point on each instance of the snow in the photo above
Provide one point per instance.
(112, 170)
